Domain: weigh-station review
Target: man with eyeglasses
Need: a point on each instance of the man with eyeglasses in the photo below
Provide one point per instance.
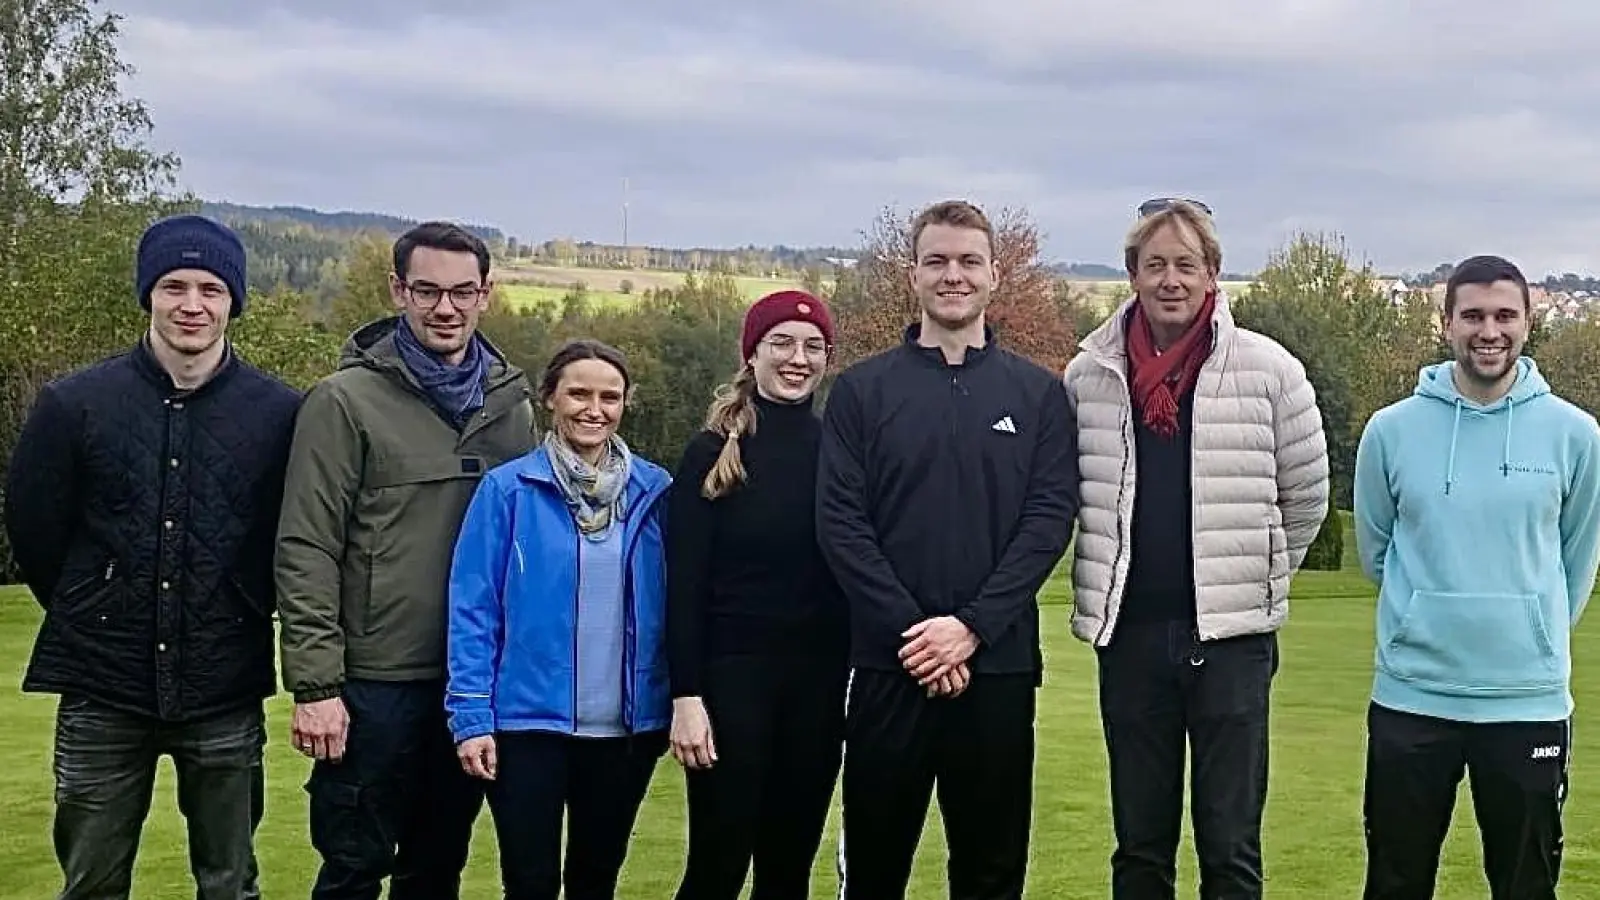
(387, 453)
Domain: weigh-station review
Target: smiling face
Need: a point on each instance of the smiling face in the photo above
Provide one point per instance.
(441, 295)
(189, 311)
(953, 274)
(1171, 279)
(1486, 329)
(586, 405)
(789, 361)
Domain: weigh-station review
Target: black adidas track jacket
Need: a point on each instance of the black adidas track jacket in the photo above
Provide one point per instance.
(946, 490)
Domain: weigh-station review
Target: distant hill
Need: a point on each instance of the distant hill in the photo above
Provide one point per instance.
(345, 221)
(270, 227)
(1087, 271)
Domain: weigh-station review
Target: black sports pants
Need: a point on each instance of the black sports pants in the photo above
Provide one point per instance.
(778, 726)
(1518, 773)
(591, 788)
(977, 749)
(1163, 692)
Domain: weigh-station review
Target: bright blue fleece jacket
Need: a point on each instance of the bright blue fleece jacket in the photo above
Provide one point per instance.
(516, 635)
(1481, 525)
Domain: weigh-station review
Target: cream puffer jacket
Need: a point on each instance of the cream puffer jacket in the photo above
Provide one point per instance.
(1260, 479)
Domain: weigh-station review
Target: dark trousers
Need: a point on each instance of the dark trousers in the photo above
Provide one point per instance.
(977, 749)
(1162, 693)
(778, 726)
(594, 785)
(105, 770)
(1518, 777)
(398, 805)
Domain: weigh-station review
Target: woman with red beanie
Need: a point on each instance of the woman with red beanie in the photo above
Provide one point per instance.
(757, 629)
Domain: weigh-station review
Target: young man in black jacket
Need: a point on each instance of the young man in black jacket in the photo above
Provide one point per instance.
(141, 504)
(947, 492)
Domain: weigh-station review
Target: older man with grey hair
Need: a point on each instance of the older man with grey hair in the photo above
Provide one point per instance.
(1204, 481)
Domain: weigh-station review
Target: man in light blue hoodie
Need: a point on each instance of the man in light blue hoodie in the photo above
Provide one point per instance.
(1477, 507)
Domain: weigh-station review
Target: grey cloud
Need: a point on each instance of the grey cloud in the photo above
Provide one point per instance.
(1333, 35)
(1422, 135)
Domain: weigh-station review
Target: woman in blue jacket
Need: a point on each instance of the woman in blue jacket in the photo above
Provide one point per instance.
(558, 693)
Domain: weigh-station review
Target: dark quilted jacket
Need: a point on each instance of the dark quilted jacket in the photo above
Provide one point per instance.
(143, 520)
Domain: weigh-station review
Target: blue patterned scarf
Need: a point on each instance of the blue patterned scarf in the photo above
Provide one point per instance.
(456, 390)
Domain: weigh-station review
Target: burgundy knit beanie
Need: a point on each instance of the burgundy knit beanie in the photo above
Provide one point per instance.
(783, 306)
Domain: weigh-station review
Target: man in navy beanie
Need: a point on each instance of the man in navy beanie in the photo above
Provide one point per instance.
(141, 505)
(192, 242)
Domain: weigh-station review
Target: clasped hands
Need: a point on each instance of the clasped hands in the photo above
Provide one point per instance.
(936, 653)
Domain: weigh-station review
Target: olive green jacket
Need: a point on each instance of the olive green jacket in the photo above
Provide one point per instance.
(377, 485)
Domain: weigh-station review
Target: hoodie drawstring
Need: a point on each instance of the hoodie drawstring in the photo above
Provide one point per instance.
(1450, 466)
(1505, 463)
(1455, 431)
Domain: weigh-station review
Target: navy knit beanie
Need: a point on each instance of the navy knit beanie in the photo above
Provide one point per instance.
(192, 242)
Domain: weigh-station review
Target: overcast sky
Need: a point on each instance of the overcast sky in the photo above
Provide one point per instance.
(1422, 131)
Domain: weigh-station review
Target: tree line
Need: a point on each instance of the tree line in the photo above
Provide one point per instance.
(304, 248)
(78, 184)
(1361, 349)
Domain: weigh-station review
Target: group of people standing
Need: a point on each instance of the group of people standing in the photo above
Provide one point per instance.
(476, 610)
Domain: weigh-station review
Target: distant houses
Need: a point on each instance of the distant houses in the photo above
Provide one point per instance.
(1548, 306)
(1395, 289)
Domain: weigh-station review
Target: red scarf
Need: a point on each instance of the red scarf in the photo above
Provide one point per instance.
(1159, 379)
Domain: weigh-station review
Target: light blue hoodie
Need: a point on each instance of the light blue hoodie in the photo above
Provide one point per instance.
(1481, 525)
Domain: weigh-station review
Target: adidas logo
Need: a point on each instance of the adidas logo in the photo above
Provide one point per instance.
(1005, 424)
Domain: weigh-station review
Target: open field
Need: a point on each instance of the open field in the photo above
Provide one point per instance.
(1105, 295)
(530, 286)
(1313, 834)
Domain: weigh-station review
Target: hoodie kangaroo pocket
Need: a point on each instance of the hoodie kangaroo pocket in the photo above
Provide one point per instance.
(1471, 643)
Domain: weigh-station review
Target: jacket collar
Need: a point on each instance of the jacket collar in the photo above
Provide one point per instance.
(1109, 342)
(974, 355)
(644, 477)
(145, 362)
(372, 346)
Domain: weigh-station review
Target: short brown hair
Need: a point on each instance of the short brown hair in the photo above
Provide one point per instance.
(1182, 215)
(954, 213)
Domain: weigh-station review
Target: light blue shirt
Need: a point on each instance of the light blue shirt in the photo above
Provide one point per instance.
(602, 633)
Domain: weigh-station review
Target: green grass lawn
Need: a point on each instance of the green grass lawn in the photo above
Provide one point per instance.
(1313, 828)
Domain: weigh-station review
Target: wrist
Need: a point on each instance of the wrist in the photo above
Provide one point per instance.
(965, 618)
(318, 694)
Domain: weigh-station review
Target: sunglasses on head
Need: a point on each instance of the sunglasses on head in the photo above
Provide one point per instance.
(1151, 207)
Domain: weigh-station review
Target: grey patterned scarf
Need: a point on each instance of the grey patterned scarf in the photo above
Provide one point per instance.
(593, 493)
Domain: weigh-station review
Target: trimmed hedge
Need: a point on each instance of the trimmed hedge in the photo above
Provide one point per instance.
(1327, 551)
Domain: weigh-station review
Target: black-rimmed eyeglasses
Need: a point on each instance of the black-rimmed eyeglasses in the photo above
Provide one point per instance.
(462, 296)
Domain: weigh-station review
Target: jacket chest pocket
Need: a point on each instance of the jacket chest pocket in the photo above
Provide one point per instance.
(412, 513)
(416, 469)
(415, 502)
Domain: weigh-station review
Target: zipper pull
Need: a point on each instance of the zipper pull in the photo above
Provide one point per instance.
(111, 568)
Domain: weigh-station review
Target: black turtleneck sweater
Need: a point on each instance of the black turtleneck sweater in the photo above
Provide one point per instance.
(745, 577)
